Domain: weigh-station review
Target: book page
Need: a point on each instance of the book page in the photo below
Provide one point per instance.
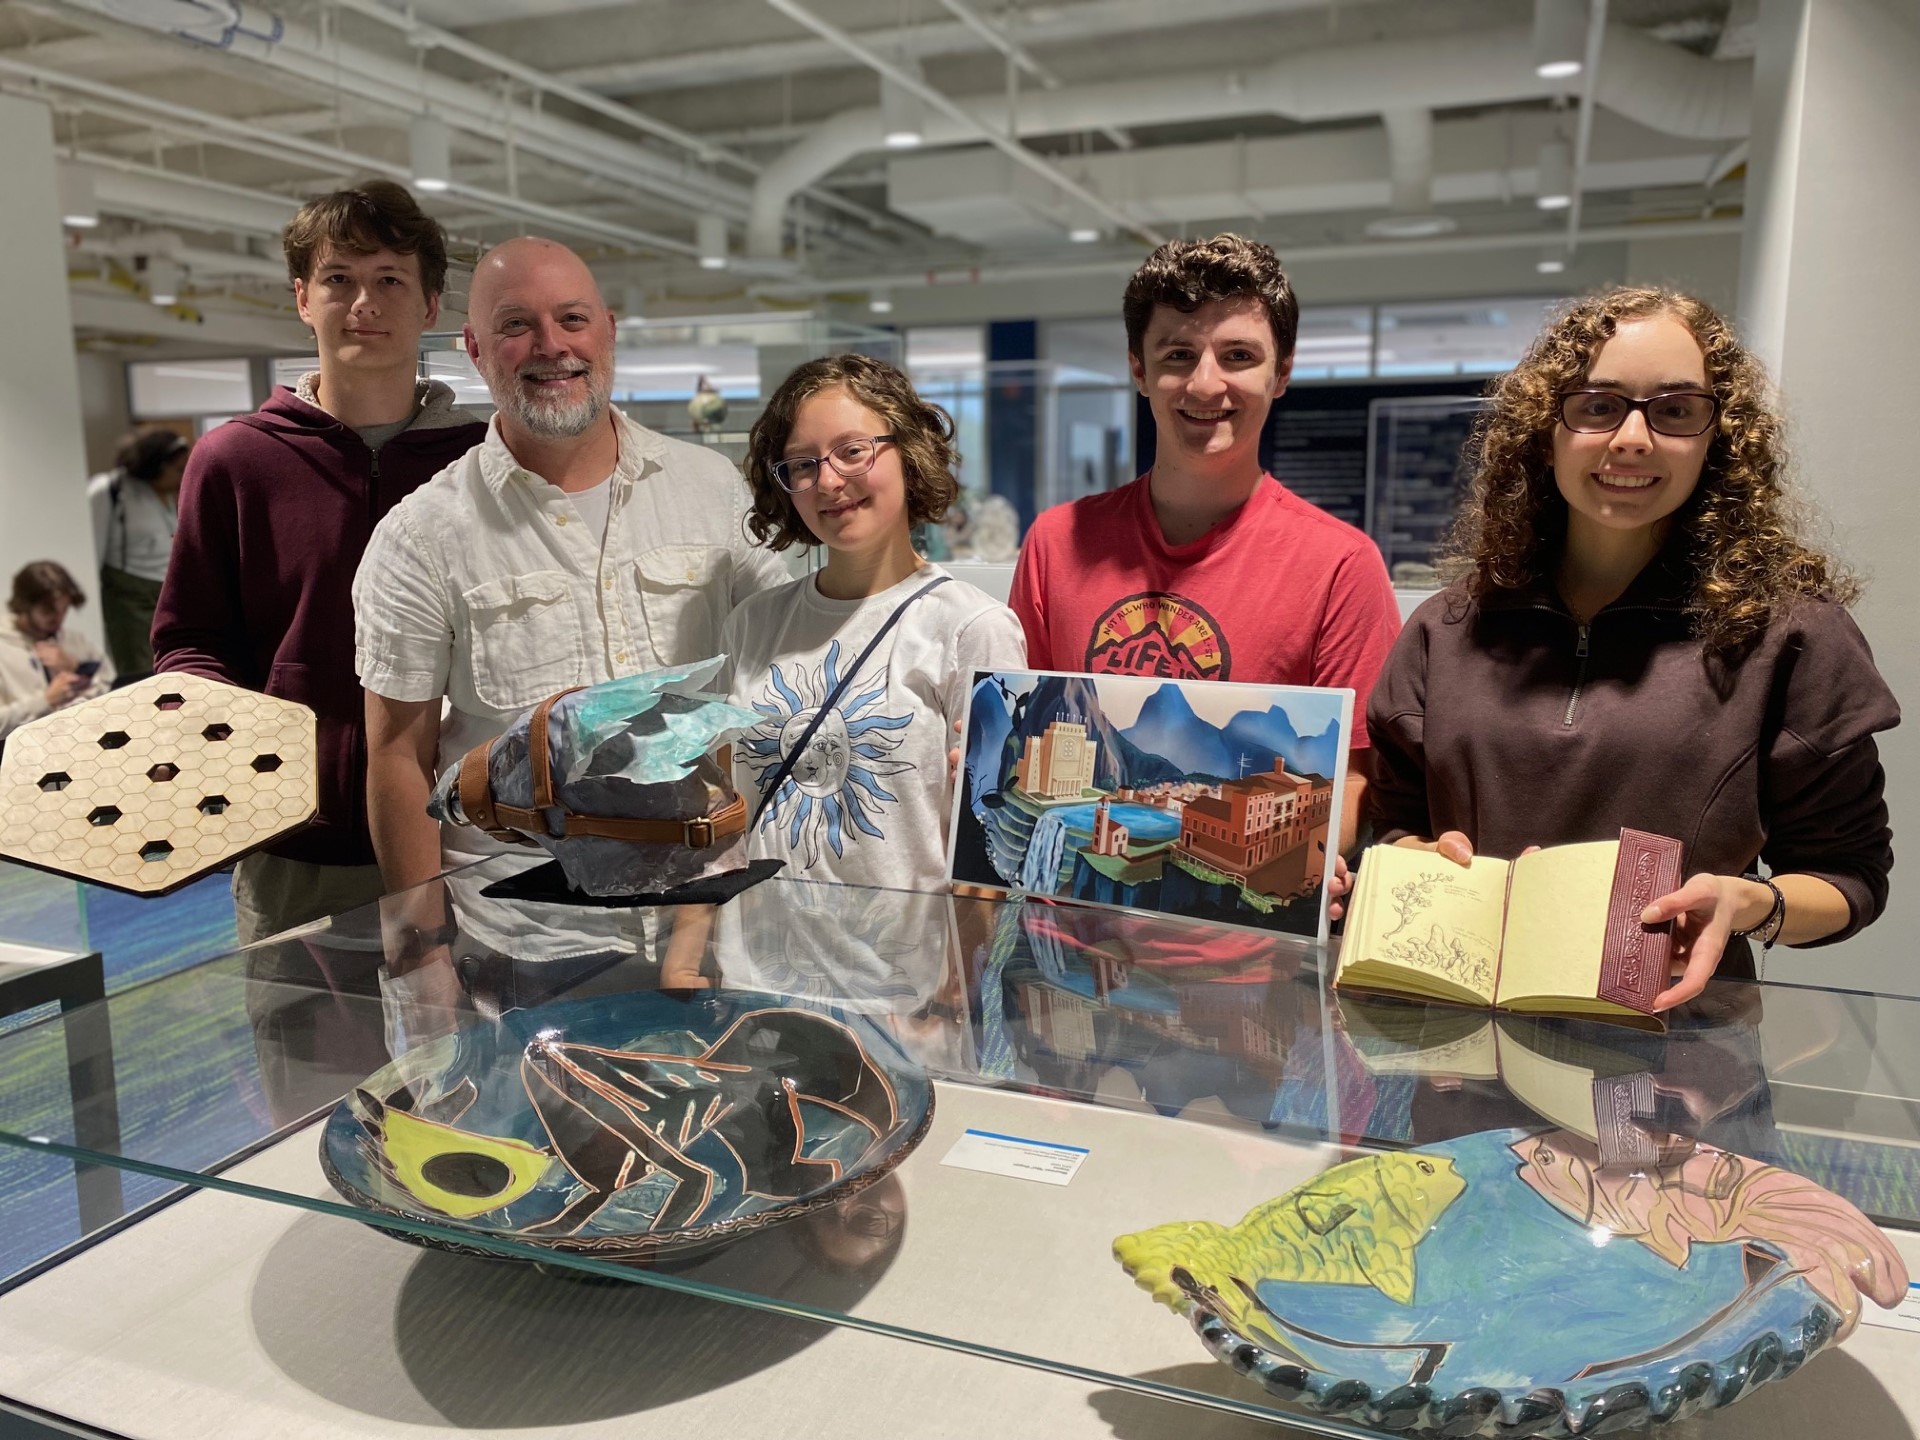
(1425, 925)
(1397, 1038)
(1557, 926)
(1553, 1073)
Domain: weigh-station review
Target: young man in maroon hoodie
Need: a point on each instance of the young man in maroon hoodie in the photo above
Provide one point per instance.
(277, 507)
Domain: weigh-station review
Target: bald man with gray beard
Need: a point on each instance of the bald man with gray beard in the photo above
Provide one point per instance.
(570, 547)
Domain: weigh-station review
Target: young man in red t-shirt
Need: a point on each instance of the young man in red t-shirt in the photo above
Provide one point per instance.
(1206, 567)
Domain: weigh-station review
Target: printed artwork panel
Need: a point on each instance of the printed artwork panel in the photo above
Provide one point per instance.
(1199, 798)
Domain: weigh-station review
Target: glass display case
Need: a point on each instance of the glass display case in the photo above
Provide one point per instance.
(1155, 1069)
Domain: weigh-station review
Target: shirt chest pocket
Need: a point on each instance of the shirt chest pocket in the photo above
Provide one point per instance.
(683, 594)
(525, 638)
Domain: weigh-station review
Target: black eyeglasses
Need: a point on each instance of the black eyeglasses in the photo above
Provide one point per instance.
(1680, 413)
(850, 460)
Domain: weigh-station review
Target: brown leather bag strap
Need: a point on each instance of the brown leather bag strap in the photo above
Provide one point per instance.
(513, 823)
(537, 749)
(476, 795)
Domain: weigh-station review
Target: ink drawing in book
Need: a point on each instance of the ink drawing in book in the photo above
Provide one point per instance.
(1199, 798)
(1556, 931)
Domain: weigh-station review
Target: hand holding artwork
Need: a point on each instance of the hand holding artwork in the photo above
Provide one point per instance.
(1705, 911)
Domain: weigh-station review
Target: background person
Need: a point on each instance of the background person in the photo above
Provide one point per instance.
(45, 666)
(135, 512)
(277, 508)
(1640, 637)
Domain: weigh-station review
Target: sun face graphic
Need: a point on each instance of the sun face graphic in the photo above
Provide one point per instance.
(836, 785)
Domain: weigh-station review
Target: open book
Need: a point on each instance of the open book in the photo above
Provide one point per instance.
(1557, 931)
(1604, 1094)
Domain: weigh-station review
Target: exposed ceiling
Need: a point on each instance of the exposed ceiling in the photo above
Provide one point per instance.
(1056, 134)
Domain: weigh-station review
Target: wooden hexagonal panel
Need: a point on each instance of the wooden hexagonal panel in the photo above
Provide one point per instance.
(117, 790)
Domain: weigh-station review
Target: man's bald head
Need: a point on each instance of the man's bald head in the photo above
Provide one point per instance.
(541, 334)
(528, 262)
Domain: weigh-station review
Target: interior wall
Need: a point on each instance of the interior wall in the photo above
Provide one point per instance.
(1829, 295)
(43, 462)
(103, 407)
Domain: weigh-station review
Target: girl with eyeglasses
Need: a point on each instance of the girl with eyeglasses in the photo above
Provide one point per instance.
(861, 669)
(1639, 635)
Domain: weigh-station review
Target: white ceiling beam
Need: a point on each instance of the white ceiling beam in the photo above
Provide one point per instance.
(130, 315)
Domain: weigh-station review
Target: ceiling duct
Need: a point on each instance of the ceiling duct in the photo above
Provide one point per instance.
(1658, 85)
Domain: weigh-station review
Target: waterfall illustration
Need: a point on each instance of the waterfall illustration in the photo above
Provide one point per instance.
(1040, 870)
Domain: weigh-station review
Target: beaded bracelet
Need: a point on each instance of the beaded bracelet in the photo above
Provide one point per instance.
(1768, 930)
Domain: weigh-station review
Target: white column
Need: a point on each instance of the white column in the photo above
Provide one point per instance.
(43, 462)
(1829, 297)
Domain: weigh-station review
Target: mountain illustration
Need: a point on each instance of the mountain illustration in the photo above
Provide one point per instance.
(1151, 652)
(989, 724)
(1264, 736)
(1168, 727)
(1118, 761)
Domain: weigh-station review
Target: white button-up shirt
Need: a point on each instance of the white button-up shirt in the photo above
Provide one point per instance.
(486, 586)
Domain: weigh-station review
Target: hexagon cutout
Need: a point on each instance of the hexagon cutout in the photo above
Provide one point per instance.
(125, 790)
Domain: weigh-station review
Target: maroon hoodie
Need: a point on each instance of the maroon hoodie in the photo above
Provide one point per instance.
(275, 511)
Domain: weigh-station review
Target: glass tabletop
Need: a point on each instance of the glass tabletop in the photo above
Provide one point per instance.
(1052, 1077)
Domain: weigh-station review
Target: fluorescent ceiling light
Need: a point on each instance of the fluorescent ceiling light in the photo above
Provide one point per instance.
(880, 303)
(1559, 38)
(710, 233)
(1550, 265)
(1083, 234)
(1554, 186)
(430, 151)
(78, 207)
(1410, 227)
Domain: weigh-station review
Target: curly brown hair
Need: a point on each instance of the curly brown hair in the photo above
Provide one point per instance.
(1187, 274)
(922, 433)
(1739, 528)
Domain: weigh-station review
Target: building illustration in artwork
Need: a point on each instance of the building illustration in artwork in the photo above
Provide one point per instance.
(1058, 762)
(1154, 794)
(1268, 830)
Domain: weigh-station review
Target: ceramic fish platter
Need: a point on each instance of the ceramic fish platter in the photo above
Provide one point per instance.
(1503, 1284)
(628, 1126)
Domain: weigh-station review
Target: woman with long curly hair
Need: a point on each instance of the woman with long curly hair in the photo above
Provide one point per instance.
(1638, 634)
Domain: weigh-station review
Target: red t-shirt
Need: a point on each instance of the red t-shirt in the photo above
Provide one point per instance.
(1283, 594)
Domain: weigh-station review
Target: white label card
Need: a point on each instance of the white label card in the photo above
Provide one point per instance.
(1904, 1316)
(996, 1154)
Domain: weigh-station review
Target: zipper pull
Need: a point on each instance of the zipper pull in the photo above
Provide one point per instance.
(1580, 646)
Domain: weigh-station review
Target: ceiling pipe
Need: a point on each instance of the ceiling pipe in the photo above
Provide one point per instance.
(1080, 24)
(955, 115)
(1410, 159)
(1658, 85)
(1018, 54)
(242, 135)
(397, 84)
(419, 32)
(1583, 132)
(1292, 254)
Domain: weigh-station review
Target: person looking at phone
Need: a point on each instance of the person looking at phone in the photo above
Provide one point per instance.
(44, 665)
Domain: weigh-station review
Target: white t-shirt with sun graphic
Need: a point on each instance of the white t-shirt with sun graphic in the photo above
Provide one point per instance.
(867, 804)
